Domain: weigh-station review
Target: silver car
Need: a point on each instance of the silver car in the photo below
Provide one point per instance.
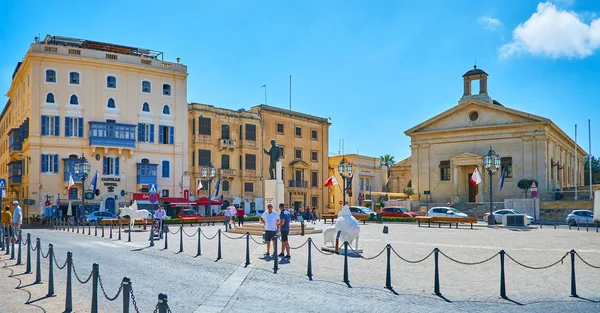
(580, 217)
(361, 210)
(442, 211)
(94, 217)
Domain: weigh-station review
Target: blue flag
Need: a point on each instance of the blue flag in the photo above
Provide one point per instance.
(349, 186)
(94, 182)
(217, 187)
(502, 177)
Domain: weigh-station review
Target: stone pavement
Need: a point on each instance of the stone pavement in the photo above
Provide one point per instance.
(203, 285)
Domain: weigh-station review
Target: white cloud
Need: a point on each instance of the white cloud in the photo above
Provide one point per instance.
(554, 33)
(490, 23)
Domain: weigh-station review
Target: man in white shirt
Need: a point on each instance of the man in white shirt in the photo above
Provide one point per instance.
(227, 219)
(17, 218)
(160, 214)
(271, 220)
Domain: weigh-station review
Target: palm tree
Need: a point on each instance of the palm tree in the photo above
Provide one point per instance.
(387, 161)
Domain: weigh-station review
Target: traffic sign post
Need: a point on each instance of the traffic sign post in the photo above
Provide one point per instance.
(534, 193)
(3, 187)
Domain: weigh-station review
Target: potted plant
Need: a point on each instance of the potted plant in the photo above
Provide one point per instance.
(35, 220)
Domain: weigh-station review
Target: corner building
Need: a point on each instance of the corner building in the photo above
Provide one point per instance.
(233, 142)
(122, 107)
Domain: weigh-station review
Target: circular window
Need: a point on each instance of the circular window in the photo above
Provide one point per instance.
(473, 116)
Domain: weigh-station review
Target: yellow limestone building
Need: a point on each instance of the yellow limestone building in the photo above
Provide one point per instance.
(233, 142)
(446, 149)
(123, 108)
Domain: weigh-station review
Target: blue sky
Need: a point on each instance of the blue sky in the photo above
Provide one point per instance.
(377, 68)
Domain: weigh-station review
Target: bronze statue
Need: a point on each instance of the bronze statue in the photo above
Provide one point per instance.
(274, 154)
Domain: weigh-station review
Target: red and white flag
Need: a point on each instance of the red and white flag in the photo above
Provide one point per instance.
(330, 181)
(198, 186)
(71, 182)
(476, 177)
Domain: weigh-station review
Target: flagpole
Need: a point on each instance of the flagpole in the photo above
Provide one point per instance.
(590, 156)
(575, 167)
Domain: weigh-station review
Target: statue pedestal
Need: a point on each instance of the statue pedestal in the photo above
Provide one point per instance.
(274, 190)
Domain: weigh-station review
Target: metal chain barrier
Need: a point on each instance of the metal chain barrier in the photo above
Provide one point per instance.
(468, 263)
(410, 261)
(319, 249)
(240, 237)
(133, 300)
(56, 262)
(211, 238)
(192, 235)
(34, 247)
(104, 292)
(45, 256)
(538, 267)
(586, 263)
(173, 233)
(83, 282)
(371, 258)
(26, 242)
(302, 245)
(260, 243)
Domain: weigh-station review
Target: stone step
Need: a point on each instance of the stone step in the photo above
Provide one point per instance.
(258, 231)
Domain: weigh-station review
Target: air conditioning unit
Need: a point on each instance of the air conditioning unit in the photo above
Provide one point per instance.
(519, 220)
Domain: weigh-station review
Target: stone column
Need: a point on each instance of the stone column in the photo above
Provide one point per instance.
(467, 89)
(455, 179)
(483, 86)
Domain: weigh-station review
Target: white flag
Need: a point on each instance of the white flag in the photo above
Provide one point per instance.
(198, 185)
(476, 177)
(71, 181)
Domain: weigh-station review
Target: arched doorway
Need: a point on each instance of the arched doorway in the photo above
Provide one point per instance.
(109, 205)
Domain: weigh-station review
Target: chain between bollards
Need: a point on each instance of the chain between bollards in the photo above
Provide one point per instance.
(346, 280)
(573, 284)
(50, 270)
(502, 276)
(38, 265)
(28, 266)
(436, 278)
(388, 271)
(181, 237)
(199, 250)
(309, 266)
(69, 292)
(95, 271)
(219, 245)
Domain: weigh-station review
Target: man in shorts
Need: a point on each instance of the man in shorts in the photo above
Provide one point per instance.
(17, 218)
(284, 224)
(271, 221)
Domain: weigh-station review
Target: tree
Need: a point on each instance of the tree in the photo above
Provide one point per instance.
(525, 183)
(387, 161)
(408, 191)
(595, 171)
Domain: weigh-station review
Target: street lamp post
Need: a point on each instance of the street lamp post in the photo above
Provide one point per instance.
(82, 168)
(208, 173)
(491, 162)
(345, 170)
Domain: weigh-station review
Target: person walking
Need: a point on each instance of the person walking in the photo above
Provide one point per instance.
(284, 224)
(227, 214)
(271, 221)
(233, 212)
(17, 218)
(240, 216)
(6, 223)
(314, 215)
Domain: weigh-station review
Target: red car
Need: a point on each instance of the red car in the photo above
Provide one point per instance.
(396, 211)
(189, 213)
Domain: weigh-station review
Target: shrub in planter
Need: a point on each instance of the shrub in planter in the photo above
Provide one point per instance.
(399, 219)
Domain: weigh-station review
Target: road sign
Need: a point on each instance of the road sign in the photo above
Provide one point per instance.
(2, 183)
(534, 194)
(152, 188)
(533, 185)
(57, 202)
(340, 202)
(152, 198)
(47, 203)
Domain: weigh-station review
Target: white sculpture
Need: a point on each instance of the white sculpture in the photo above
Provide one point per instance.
(134, 214)
(347, 224)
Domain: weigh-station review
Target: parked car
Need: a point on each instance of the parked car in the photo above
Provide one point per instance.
(580, 217)
(442, 211)
(361, 210)
(187, 213)
(94, 217)
(396, 211)
(498, 216)
(256, 213)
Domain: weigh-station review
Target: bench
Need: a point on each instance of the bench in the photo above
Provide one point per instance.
(363, 218)
(449, 220)
(332, 217)
(210, 219)
(326, 217)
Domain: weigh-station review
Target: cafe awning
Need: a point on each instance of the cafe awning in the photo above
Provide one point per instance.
(204, 201)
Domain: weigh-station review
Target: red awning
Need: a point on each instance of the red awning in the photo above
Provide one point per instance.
(178, 201)
(204, 201)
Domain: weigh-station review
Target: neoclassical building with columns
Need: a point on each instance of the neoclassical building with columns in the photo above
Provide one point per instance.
(446, 149)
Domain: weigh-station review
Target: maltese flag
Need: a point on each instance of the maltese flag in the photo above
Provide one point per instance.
(71, 182)
(198, 186)
(476, 177)
(330, 181)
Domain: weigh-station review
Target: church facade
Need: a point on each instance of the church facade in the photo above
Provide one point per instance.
(446, 150)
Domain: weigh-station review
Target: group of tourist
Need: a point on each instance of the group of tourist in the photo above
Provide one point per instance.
(12, 221)
(231, 213)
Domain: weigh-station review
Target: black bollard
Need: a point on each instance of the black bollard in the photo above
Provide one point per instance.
(388, 271)
(126, 294)
(20, 244)
(110, 230)
(162, 303)
(276, 258)
(7, 249)
(120, 230)
(78, 226)
(247, 249)
(346, 263)
(69, 292)
(12, 247)
(165, 230)
(38, 265)
(309, 266)
(89, 229)
(199, 247)
(1, 237)
(95, 272)
(219, 245)
(102, 227)
(181, 238)
(573, 284)
(96, 228)
(50, 270)
(436, 278)
(28, 268)
(73, 227)
(152, 234)
(129, 233)
(502, 279)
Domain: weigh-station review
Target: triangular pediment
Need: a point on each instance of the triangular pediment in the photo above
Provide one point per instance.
(475, 114)
(466, 155)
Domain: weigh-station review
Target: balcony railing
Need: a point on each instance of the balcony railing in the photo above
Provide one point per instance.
(227, 143)
(250, 173)
(147, 173)
(112, 134)
(298, 184)
(227, 172)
